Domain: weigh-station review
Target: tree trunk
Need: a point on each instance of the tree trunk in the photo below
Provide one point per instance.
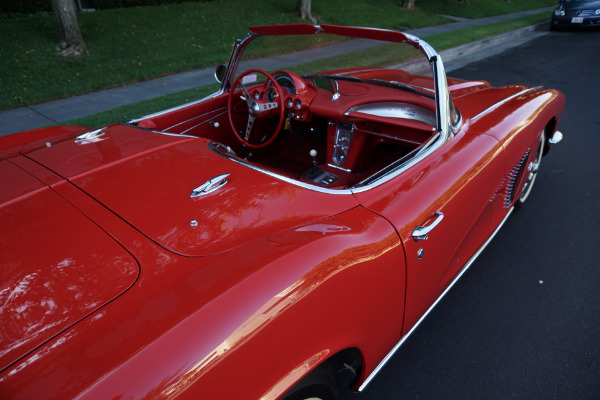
(70, 37)
(303, 9)
(408, 4)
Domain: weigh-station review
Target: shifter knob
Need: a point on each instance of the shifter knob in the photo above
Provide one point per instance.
(313, 154)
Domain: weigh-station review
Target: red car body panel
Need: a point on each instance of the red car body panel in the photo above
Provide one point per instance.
(58, 266)
(118, 283)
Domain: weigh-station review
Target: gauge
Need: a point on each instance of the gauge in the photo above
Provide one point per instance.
(339, 157)
(256, 95)
(286, 82)
(271, 95)
(297, 104)
(289, 102)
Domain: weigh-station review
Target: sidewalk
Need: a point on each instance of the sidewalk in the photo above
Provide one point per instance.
(53, 112)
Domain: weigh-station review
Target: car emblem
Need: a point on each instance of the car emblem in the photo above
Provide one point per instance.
(210, 186)
(91, 136)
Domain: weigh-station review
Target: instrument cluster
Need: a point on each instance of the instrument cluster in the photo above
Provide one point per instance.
(297, 95)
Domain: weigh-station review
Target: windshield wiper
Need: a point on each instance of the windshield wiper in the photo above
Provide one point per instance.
(377, 82)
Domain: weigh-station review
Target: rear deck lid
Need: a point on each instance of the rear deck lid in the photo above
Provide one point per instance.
(147, 178)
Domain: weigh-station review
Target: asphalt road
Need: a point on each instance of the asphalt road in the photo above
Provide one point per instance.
(524, 321)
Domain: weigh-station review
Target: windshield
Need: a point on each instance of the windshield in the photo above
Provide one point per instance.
(333, 56)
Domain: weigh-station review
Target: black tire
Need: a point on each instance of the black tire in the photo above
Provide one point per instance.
(531, 169)
(319, 384)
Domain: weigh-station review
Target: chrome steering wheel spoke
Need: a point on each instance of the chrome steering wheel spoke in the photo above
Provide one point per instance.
(256, 109)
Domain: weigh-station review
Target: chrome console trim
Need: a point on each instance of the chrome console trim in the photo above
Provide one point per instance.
(342, 143)
(460, 274)
(396, 109)
(338, 167)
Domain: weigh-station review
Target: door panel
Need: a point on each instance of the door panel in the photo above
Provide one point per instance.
(458, 181)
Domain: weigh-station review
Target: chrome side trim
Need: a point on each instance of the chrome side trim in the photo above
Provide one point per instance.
(203, 122)
(495, 106)
(160, 132)
(460, 274)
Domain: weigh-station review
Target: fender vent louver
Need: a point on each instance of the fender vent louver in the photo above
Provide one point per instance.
(508, 184)
(512, 180)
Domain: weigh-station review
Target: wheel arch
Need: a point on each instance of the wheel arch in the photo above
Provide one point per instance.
(345, 367)
(549, 130)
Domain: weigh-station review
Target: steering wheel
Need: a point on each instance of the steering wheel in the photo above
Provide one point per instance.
(258, 108)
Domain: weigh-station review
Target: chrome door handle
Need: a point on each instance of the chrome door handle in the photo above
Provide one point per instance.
(420, 232)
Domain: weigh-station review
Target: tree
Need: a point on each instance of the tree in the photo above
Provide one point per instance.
(70, 38)
(408, 4)
(303, 9)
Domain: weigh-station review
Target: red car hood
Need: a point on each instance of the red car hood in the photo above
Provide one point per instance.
(57, 265)
(147, 178)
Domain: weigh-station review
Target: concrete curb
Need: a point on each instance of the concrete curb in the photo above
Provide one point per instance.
(460, 56)
(465, 54)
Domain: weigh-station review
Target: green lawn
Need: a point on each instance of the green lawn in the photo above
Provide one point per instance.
(133, 44)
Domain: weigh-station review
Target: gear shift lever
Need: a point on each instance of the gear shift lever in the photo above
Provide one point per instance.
(313, 154)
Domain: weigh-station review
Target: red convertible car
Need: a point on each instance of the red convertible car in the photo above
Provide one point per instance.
(277, 239)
